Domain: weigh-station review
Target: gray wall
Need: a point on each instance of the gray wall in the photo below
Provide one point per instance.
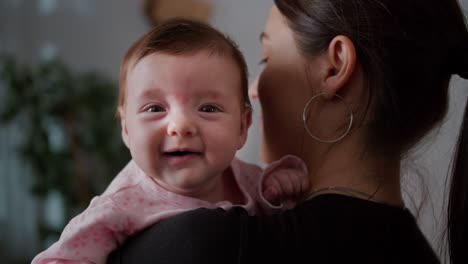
(90, 34)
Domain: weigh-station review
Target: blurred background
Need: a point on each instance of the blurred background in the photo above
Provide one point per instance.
(60, 141)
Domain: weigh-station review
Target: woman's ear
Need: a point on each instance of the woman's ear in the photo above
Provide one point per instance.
(123, 124)
(246, 121)
(340, 66)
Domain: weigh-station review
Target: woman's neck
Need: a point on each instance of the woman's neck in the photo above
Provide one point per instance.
(345, 165)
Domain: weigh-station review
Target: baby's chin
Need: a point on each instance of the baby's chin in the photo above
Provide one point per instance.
(186, 186)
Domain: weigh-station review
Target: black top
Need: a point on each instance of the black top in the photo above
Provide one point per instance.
(329, 228)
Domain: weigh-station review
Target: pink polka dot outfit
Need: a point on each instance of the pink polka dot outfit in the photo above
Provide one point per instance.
(133, 201)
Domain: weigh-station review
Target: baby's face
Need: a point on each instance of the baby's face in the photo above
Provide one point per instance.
(183, 121)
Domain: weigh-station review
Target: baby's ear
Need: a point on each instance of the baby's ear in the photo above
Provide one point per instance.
(246, 121)
(123, 124)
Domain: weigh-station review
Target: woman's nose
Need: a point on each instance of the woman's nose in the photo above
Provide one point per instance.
(181, 125)
(253, 89)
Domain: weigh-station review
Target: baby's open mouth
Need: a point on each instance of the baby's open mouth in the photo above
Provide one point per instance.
(181, 153)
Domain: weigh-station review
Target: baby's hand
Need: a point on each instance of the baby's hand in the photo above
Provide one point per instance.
(286, 181)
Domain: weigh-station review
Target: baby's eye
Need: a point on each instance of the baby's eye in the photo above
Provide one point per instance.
(210, 109)
(155, 109)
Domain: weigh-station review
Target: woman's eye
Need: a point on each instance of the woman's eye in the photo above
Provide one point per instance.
(263, 61)
(209, 109)
(154, 109)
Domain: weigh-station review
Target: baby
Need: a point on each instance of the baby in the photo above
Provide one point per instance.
(184, 113)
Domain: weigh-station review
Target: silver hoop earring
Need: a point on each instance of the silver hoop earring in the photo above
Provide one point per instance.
(305, 117)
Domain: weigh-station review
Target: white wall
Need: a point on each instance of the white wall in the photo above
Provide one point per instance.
(89, 34)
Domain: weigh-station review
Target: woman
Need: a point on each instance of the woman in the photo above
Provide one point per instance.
(349, 86)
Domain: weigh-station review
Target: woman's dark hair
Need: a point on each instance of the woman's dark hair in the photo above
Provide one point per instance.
(408, 50)
(183, 37)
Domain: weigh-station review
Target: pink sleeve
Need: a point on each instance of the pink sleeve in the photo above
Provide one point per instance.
(90, 236)
(287, 162)
(253, 185)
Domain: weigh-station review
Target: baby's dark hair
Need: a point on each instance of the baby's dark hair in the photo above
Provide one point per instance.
(183, 37)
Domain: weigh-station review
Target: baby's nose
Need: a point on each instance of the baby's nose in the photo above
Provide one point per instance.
(181, 125)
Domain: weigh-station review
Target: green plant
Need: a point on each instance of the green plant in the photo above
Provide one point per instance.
(71, 138)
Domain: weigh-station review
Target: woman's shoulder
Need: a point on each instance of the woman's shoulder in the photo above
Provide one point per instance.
(348, 228)
(335, 228)
(328, 228)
